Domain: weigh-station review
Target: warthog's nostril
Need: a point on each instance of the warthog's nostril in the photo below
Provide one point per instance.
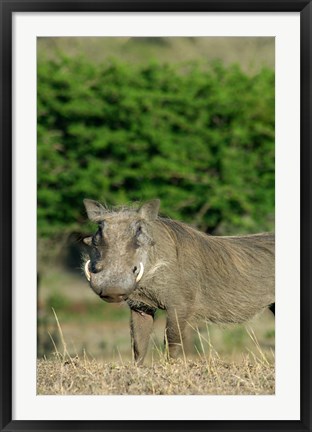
(134, 269)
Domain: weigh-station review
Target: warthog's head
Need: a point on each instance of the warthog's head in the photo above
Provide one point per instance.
(119, 248)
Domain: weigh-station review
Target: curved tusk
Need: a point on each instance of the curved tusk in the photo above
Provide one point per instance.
(86, 270)
(139, 276)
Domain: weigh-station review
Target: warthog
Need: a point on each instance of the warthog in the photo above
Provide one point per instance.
(152, 262)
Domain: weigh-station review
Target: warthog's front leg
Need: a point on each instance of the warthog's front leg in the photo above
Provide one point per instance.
(141, 328)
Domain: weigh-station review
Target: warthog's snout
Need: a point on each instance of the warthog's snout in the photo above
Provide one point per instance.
(110, 289)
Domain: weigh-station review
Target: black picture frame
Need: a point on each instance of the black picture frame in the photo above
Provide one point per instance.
(9, 7)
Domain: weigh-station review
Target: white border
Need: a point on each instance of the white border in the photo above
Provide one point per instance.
(285, 405)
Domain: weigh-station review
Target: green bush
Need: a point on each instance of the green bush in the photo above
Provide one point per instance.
(199, 138)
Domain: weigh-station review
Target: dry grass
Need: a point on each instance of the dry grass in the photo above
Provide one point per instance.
(207, 373)
(81, 376)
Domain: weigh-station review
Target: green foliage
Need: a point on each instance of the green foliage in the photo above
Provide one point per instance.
(199, 138)
(235, 338)
(57, 301)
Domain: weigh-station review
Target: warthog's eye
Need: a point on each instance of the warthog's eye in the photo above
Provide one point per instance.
(142, 237)
(97, 237)
(138, 230)
(138, 238)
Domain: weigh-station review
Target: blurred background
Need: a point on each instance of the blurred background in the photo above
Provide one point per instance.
(186, 120)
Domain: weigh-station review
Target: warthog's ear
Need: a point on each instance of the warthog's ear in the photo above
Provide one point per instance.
(95, 210)
(149, 210)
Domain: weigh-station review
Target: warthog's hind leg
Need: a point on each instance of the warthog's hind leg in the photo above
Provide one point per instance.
(175, 332)
(141, 327)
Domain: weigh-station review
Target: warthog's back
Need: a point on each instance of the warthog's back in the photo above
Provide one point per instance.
(224, 279)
